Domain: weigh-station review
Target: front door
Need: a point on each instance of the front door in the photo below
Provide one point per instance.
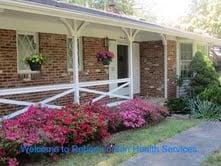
(118, 68)
(122, 62)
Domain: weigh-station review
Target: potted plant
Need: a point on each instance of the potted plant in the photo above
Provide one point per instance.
(35, 61)
(105, 57)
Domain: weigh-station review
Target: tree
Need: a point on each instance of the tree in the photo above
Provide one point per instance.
(203, 74)
(205, 16)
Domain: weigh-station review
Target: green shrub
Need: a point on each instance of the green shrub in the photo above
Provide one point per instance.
(203, 74)
(204, 109)
(177, 106)
(212, 94)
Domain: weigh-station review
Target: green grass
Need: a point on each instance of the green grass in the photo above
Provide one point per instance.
(143, 137)
(213, 160)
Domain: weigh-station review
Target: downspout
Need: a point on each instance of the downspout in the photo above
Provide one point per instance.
(164, 40)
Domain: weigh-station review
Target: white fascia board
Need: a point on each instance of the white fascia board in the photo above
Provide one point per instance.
(41, 9)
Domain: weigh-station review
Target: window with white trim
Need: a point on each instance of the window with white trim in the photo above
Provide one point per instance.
(70, 54)
(27, 44)
(186, 54)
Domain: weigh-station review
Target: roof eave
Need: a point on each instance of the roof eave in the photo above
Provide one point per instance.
(35, 8)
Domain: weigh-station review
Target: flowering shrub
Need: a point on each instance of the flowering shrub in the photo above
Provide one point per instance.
(132, 119)
(136, 113)
(73, 124)
(8, 150)
(88, 123)
(109, 115)
(105, 57)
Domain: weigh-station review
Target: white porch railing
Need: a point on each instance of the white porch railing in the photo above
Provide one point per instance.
(68, 89)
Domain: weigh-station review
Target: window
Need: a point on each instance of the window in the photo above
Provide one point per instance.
(186, 50)
(186, 54)
(70, 54)
(26, 45)
(203, 48)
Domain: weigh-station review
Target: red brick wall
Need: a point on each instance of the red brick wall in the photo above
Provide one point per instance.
(171, 48)
(8, 67)
(92, 70)
(151, 67)
(54, 71)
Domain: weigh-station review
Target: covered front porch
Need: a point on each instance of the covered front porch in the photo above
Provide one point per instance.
(140, 65)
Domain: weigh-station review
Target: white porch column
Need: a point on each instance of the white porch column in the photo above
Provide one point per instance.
(131, 39)
(131, 34)
(74, 30)
(164, 40)
(75, 68)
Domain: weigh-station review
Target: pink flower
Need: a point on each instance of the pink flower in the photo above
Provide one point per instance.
(137, 112)
(105, 55)
(13, 162)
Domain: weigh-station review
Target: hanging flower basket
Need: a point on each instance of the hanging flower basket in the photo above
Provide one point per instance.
(105, 57)
(35, 61)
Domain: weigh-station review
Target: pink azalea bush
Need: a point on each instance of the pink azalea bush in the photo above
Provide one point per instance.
(132, 119)
(137, 113)
(73, 124)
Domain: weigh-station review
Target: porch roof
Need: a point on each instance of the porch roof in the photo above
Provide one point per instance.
(70, 11)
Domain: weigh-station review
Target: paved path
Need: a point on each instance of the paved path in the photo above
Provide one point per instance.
(206, 138)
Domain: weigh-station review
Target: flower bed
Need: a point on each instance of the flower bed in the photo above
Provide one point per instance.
(72, 125)
(137, 113)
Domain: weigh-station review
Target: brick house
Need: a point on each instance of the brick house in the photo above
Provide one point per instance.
(147, 60)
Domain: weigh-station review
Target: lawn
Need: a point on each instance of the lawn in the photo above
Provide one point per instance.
(213, 160)
(142, 137)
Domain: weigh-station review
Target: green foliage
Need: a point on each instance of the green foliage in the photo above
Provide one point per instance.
(126, 6)
(36, 58)
(212, 94)
(179, 81)
(177, 106)
(204, 16)
(204, 109)
(202, 74)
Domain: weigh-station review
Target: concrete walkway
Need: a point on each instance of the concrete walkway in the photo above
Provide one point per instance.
(206, 138)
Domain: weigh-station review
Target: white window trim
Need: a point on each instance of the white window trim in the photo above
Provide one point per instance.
(36, 40)
(81, 63)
